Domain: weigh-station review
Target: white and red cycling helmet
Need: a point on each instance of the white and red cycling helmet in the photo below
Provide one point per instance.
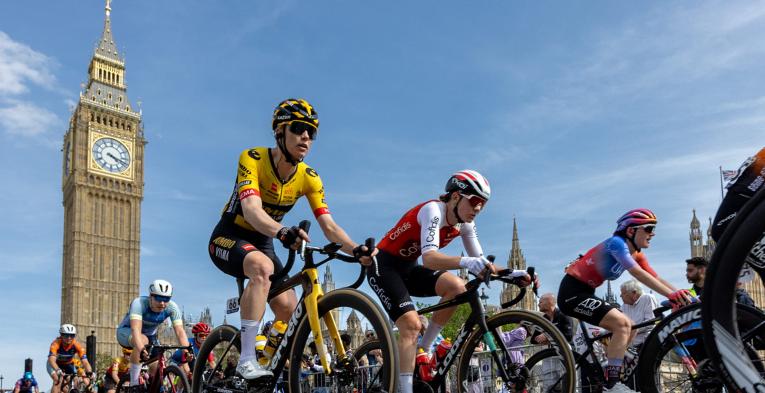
(469, 182)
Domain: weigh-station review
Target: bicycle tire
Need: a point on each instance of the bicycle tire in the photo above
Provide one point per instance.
(174, 380)
(558, 343)
(364, 350)
(121, 385)
(721, 335)
(368, 308)
(220, 335)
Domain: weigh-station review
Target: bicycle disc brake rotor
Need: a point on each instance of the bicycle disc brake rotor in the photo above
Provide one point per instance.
(707, 380)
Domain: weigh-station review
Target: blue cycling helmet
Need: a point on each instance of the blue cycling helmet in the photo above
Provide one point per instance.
(28, 375)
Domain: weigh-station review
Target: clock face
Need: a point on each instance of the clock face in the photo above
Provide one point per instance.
(111, 155)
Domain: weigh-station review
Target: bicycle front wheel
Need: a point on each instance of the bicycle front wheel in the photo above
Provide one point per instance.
(726, 346)
(354, 310)
(555, 371)
(224, 343)
(175, 380)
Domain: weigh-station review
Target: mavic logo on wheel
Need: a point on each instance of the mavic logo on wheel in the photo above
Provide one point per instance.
(678, 322)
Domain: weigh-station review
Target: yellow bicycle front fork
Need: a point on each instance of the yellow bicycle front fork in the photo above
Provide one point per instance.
(312, 307)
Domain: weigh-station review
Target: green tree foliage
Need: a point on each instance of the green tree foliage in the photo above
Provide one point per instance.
(103, 362)
(456, 322)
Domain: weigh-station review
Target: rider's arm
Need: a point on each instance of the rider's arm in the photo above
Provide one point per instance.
(115, 371)
(649, 280)
(52, 362)
(470, 240)
(335, 233)
(83, 357)
(252, 209)
(135, 331)
(177, 320)
(430, 219)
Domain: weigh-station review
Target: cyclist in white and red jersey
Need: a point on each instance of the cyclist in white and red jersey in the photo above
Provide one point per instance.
(607, 261)
(422, 231)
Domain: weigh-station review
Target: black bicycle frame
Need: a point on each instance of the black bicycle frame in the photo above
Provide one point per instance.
(477, 317)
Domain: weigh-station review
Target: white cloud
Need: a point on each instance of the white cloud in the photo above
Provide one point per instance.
(22, 118)
(21, 67)
(20, 64)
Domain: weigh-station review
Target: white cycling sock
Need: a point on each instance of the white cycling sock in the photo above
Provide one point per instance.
(405, 382)
(249, 332)
(430, 334)
(135, 372)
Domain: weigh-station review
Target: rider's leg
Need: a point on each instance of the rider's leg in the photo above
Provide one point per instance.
(135, 357)
(258, 268)
(284, 305)
(408, 329)
(620, 325)
(448, 286)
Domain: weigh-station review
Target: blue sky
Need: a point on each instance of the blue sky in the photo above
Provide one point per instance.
(576, 112)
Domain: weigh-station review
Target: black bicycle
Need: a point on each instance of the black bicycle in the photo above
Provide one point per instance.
(314, 320)
(674, 358)
(506, 357)
(736, 352)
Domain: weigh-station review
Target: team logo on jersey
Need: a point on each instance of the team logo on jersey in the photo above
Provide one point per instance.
(311, 172)
(254, 154)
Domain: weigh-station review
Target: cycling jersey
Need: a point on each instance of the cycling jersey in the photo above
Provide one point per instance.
(65, 354)
(423, 229)
(25, 388)
(141, 310)
(123, 366)
(257, 176)
(607, 261)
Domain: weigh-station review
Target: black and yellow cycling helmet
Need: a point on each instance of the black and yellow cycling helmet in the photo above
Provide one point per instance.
(293, 109)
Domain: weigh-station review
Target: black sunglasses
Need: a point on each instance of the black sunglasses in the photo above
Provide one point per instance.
(299, 127)
(648, 228)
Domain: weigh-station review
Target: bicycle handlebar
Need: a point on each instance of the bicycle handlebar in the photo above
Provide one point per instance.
(331, 250)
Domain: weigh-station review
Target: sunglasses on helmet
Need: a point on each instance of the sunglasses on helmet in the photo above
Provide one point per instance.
(298, 127)
(162, 299)
(474, 200)
(648, 228)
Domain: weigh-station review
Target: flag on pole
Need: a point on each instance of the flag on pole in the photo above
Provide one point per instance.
(728, 175)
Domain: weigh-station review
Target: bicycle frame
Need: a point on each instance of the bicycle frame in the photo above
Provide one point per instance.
(477, 317)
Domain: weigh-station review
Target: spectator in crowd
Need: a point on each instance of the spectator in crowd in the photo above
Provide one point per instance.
(638, 306)
(564, 323)
(695, 271)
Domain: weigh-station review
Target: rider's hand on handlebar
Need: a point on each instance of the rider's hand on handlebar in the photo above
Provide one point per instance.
(364, 254)
(680, 298)
(292, 237)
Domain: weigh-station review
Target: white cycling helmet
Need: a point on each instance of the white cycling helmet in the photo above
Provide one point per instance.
(67, 329)
(161, 288)
(469, 182)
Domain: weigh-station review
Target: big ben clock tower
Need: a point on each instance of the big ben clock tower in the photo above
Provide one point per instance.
(103, 189)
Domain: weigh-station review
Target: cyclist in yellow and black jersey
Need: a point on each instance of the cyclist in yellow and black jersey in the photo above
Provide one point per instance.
(269, 182)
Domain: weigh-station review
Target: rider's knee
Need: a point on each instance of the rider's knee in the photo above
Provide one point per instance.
(257, 267)
(452, 285)
(409, 325)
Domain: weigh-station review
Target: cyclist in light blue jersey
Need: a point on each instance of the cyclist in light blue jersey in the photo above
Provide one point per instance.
(140, 325)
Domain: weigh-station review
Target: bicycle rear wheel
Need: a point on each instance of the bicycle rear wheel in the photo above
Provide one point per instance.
(348, 373)
(553, 372)
(721, 334)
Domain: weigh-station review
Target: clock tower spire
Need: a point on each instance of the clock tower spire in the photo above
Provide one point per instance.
(102, 185)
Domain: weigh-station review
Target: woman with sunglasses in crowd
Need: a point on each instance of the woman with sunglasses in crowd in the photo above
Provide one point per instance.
(607, 261)
(268, 184)
(422, 231)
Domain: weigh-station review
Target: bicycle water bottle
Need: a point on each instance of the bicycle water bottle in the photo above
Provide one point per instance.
(260, 345)
(443, 347)
(274, 337)
(422, 365)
